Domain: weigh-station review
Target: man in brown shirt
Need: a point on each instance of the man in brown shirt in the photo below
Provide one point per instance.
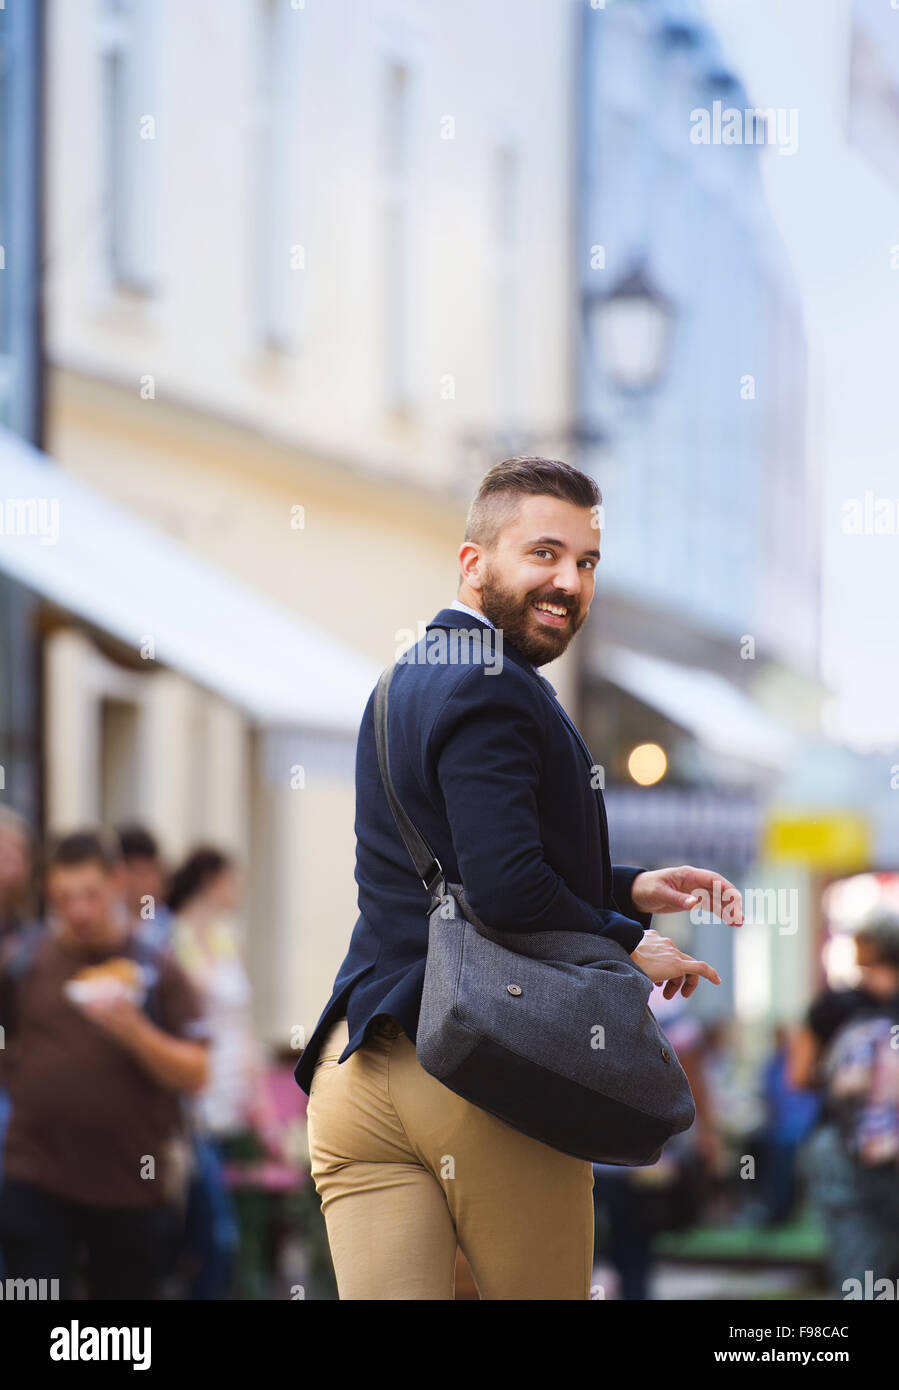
(103, 1036)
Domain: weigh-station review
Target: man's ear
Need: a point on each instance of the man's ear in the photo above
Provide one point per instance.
(470, 557)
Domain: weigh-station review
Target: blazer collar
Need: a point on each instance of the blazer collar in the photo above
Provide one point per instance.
(454, 617)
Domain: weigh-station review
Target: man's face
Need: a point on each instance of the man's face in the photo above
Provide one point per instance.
(546, 555)
(143, 879)
(84, 898)
(879, 978)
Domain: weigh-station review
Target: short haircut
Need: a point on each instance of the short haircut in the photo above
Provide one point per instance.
(195, 874)
(137, 843)
(86, 847)
(880, 930)
(501, 489)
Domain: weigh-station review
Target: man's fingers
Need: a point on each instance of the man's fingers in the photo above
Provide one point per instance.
(705, 879)
(732, 910)
(701, 967)
(684, 984)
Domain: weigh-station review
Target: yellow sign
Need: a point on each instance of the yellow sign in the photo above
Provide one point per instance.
(831, 840)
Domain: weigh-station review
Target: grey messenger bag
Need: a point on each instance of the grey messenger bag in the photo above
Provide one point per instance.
(551, 1032)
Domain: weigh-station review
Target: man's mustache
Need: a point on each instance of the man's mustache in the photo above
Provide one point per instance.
(561, 601)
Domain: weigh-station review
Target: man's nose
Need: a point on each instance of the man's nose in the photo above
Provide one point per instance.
(568, 578)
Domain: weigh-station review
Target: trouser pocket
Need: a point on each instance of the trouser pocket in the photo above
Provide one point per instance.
(335, 1040)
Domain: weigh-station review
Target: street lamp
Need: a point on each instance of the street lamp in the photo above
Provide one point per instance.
(630, 331)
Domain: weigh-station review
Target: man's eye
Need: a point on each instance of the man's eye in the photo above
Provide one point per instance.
(543, 552)
(591, 563)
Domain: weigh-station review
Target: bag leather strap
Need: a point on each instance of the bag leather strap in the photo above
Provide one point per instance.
(427, 865)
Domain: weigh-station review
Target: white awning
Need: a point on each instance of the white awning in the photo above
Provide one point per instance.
(100, 562)
(718, 715)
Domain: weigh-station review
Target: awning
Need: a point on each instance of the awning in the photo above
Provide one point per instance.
(703, 703)
(100, 562)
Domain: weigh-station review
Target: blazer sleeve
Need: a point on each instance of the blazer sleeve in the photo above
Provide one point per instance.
(623, 876)
(486, 749)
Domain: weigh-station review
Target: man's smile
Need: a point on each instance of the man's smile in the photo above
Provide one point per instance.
(552, 614)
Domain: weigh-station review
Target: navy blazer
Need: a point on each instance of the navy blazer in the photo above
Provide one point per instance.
(498, 780)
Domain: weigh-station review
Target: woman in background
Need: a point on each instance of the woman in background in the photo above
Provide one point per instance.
(17, 907)
(203, 897)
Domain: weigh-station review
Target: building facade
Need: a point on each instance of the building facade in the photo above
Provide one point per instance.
(706, 642)
(305, 277)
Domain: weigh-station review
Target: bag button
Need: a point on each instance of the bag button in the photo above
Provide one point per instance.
(666, 1055)
(514, 989)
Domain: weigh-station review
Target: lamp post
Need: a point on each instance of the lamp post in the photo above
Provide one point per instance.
(628, 331)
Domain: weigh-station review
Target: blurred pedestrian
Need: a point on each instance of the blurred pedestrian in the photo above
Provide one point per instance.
(790, 1115)
(145, 884)
(203, 896)
(641, 1203)
(17, 870)
(17, 906)
(104, 1035)
(846, 1048)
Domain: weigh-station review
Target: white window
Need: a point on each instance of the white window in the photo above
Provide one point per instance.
(278, 251)
(395, 234)
(505, 304)
(130, 147)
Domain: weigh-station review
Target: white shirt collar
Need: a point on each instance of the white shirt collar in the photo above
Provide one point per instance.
(473, 612)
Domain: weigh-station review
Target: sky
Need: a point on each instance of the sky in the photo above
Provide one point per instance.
(839, 218)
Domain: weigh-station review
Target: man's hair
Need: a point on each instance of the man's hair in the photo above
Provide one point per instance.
(85, 847)
(880, 930)
(507, 482)
(137, 842)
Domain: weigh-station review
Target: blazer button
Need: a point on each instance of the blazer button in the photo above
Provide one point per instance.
(514, 989)
(666, 1055)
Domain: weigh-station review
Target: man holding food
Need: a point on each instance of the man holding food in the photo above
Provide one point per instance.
(103, 1034)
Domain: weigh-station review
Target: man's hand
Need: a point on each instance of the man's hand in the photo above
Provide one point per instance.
(180, 1064)
(677, 890)
(661, 960)
(117, 1016)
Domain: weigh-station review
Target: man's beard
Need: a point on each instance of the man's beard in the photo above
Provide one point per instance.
(512, 613)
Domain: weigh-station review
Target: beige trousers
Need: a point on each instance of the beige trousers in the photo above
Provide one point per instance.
(406, 1170)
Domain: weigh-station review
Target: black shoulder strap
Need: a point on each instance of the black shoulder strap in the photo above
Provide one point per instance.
(427, 865)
